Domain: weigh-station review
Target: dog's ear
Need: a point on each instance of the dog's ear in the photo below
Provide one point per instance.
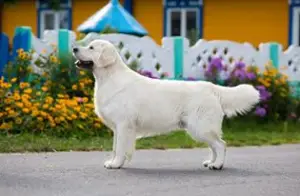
(108, 56)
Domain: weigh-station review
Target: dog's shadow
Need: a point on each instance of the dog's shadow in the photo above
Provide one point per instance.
(159, 172)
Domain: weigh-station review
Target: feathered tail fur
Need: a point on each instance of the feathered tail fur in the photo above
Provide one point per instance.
(237, 100)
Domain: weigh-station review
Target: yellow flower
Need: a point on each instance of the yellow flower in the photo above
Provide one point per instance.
(23, 85)
(74, 87)
(17, 97)
(83, 115)
(89, 105)
(85, 99)
(53, 59)
(45, 106)
(58, 107)
(13, 80)
(27, 104)
(18, 121)
(35, 113)
(62, 118)
(6, 126)
(82, 73)
(60, 96)
(26, 110)
(44, 88)
(7, 109)
(52, 124)
(6, 85)
(57, 120)
(21, 50)
(97, 125)
(43, 114)
(74, 116)
(40, 119)
(81, 84)
(77, 109)
(49, 100)
(28, 91)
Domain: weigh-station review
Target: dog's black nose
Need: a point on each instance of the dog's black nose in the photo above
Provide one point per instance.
(75, 50)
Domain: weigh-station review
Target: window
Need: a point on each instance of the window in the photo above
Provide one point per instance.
(182, 17)
(296, 26)
(294, 37)
(49, 19)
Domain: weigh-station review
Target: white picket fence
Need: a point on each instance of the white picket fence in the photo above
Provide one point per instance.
(175, 55)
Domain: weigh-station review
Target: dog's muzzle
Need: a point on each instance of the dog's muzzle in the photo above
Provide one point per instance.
(84, 64)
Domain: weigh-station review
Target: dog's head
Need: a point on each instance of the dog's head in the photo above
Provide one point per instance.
(98, 54)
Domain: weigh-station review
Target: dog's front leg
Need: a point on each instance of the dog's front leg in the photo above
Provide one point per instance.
(122, 144)
(113, 149)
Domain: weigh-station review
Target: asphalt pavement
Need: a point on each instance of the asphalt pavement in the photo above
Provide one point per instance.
(257, 171)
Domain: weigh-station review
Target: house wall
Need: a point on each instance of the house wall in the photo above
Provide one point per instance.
(253, 21)
(150, 15)
(22, 13)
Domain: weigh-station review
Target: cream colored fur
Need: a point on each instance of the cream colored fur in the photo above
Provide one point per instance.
(134, 106)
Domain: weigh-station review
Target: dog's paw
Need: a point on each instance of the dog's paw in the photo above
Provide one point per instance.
(113, 164)
(206, 163)
(215, 166)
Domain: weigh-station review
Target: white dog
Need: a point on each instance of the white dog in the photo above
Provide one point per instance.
(134, 106)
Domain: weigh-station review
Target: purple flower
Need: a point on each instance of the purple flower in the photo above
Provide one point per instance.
(264, 94)
(191, 79)
(240, 74)
(213, 69)
(146, 73)
(240, 65)
(259, 111)
(260, 88)
(215, 63)
(250, 75)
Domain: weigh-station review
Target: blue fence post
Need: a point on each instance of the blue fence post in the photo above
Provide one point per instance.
(274, 54)
(63, 46)
(178, 57)
(22, 39)
(4, 51)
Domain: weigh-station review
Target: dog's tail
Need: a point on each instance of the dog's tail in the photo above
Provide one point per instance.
(237, 100)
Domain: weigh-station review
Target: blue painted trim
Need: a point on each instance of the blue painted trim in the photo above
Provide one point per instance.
(178, 57)
(165, 20)
(291, 13)
(291, 21)
(128, 5)
(201, 21)
(200, 10)
(70, 18)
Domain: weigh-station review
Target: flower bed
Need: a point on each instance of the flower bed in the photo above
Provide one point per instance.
(60, 101)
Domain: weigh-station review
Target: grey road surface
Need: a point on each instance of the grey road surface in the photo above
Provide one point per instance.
(257, 171)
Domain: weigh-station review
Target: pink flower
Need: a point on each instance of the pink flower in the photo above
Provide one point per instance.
(79, 100)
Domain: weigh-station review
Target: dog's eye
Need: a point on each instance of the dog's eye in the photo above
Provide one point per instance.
(91, 47)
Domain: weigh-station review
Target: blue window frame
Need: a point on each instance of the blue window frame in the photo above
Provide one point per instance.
(49, 19)
(182, 16)
(294, 22)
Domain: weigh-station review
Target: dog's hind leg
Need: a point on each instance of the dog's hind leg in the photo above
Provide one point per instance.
(203, 130)
(219, 147)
